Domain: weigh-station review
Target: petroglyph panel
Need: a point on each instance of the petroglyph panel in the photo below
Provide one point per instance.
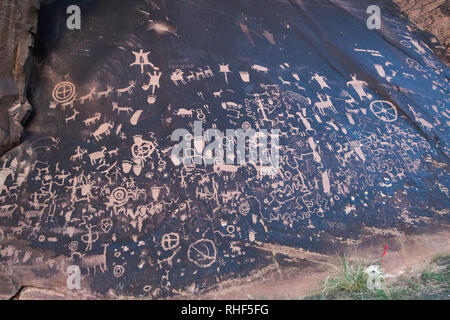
(361, 131)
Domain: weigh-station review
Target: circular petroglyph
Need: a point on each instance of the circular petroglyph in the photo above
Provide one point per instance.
(119, 196)
(118, 271)
(64, 92)
(142, 149)
(405, 43)
(170, 241)
(73, 246)
(413, 63)
(246, 126)
(244, 208)
(202, 252)
(384, 110)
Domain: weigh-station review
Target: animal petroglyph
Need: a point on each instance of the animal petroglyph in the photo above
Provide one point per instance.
(104, 129)
(94, 261)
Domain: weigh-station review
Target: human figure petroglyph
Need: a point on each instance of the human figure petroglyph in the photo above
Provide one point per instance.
(321, 81)
(62, 177)
(91, 237)
(262, 108)
(358, 86)
(305, 122)
(224, 68)
(141, 59)
(129, 89)
(85, 185)
(153, 82)
(104, 129)
(90, 121)
(50, 209)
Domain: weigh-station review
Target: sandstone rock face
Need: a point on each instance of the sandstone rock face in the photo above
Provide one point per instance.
(358, 117)
(433, 17)
(18, 21)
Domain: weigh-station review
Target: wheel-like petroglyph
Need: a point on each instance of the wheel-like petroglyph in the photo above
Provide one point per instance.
(202, 252)
(170, 241)
(114, 181)
(64, 92)
(384, 110)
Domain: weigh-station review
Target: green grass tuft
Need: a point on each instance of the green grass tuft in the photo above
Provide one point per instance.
(350, 282)
(349, 279)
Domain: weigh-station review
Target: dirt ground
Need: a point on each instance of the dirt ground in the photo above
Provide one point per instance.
(406, 256)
